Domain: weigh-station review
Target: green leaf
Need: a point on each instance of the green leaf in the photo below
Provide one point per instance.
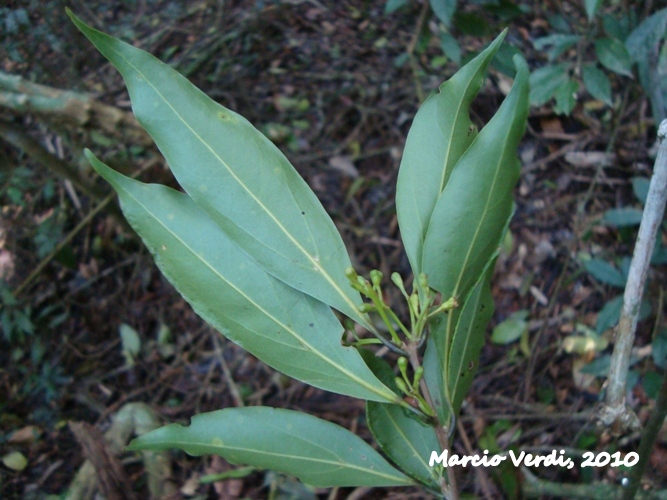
(558, 42)
(468, 340)
(659, 351)
(237, 176)
(394, 5)
(566, 97)
(611, 312)
(640, 186)
(16, 461)
(544, 83)
(511, 329)
(444, 9)
(318, 452)
(597, 83)
(592, 7)
(645, 46)
(605, 272)
(433, 367)
(283, 327)
(405, 440)
(440, 134)
(450, 47)
(503, 61)
(472, 213)
(130, 342)
(621, 217)
(613, 55)
(609, 315)
(644, 43)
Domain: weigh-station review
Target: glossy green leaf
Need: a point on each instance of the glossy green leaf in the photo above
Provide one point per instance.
(620, 217)
(659, 350)
(407, 441)
(472, 213)
(645, 40)
(450, 47)
(440, 134)
(566, 97)
(237, 176)
(605, 272)
(457, 337)
(283, 327)
(433, 372)
(544, 83)
(393, 5)
(610, 314)
(640, 186)
(597, 83)
(613, 55)
(555, 44)
(644, 45)
(511, 329)
(318, 452)
(592, 7)
(468, 340)
(444, 10)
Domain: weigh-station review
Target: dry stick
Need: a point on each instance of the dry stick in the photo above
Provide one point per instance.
(615, 411)
(17, 137)
(77, 108)
(411, 51)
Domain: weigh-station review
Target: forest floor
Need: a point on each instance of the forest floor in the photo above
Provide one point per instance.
(330, 83)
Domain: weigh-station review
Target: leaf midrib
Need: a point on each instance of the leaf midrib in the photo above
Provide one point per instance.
(294, 334)
(348, 465)
(399, 429)
(314, 260)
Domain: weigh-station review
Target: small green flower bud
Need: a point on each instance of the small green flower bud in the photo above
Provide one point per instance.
(376, 277)
(402, 363)
(366, 308)
(419, 373)
(402, 385)
(423, 281)
(414, 303)
(350, 273)
(425, 408)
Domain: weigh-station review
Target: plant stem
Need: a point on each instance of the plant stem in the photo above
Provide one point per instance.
(615, 411)
(450, 491)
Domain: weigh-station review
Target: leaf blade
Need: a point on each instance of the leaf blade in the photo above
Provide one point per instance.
(468, 340)
(318, 452)
(613, 55)
(471, 215)
(406, 441)
(285, 328)
(439, 135)
(597, 83)
(240, 179)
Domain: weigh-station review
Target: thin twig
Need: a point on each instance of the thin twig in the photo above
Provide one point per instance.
(450, 490)
(411, 51)
(615, 412)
